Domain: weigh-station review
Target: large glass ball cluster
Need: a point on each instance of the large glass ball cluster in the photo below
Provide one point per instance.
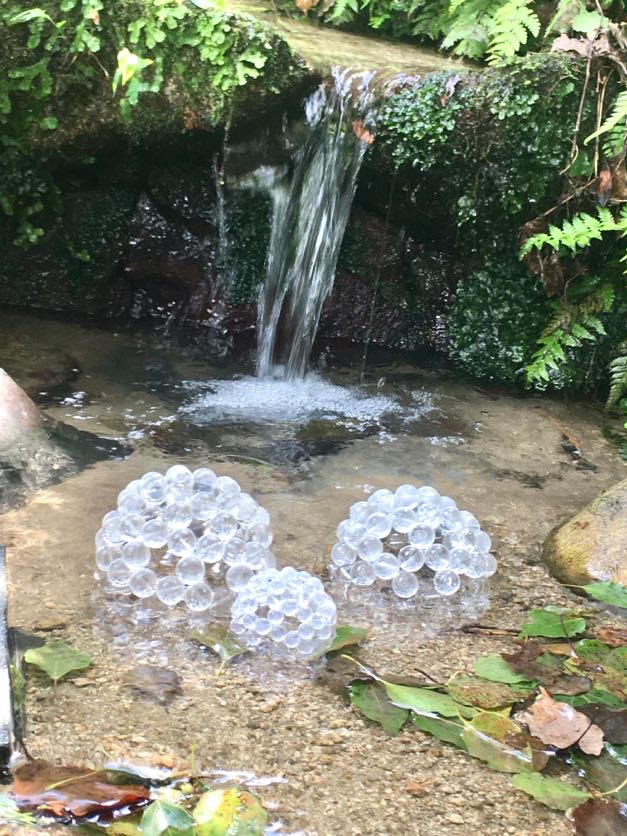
(414, 542)
(285, 611)
(176, 535)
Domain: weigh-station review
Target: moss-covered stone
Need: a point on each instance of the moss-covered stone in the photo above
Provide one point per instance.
(592, 545)
(477, 153)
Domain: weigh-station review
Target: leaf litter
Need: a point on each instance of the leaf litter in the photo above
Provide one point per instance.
(547, 701)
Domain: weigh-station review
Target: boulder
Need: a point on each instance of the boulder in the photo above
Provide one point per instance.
(18, 414)
(592, 545)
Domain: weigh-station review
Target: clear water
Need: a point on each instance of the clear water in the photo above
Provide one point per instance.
(496, 454)
(310, 212)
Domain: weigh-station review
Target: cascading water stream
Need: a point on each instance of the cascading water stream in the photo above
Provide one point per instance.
(310, 213)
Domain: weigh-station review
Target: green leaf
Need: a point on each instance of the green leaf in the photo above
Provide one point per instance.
(482, 693)
(233, 812)
(450, 731)
(49, 123)
(426, 701)
(496, 669)
(553, 623)
(346, 635)
(558, 795)
(606, 771)
(10, 814)
(57, 659)
(218, 639)
(593, 697)
(28, 15)
(608, 592)
(499, 742)
(587, 22)
(371, 699)
(164, 819)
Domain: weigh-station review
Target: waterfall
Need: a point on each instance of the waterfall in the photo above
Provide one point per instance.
(310, 212)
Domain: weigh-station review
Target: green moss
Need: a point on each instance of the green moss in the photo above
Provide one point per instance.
(248, 230)
(64, 90)
(482, 154)
(494, 320)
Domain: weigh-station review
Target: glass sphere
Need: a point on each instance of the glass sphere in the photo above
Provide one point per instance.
(198, 597)
(190, 569)
(446, 582)
(143, 583)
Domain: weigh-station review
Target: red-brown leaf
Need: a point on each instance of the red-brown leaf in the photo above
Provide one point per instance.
(560, 725)
(596, 817)
(71, 790)
(614, 636)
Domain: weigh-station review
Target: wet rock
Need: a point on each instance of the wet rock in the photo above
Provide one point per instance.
(18, 414)
(591, 545)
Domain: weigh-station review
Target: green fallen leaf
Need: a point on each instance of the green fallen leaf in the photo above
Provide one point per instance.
(346, 635)
(499, 742)
(553, 623)
(558, 795)
(217, 638)
(608, 592)
(10, 814)
(606, 771)
(372, 700)
(426, 701)
(450, 731)
(164, 819)
(496, 669)
(233, 812)
(56, 659)
(593, 697)
(482, 693)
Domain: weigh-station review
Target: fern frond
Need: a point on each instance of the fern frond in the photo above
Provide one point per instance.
(343, 11)
(571, 325)
(510, 28)
(618, 376)
(577, 233)
(616, 117)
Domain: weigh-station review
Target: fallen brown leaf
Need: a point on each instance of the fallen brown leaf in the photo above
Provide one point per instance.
(611, 721)
(561, 725)
(596, 817)
(71, 790)
(614, 636)
(162, 684)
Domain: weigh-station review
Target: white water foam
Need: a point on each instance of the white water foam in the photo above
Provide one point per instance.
(271, 400)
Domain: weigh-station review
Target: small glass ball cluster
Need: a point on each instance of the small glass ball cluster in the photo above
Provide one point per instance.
(286, 611)
(414, 541)
(200, 523)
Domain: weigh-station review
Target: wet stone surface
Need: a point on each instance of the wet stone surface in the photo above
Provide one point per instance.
(343, 775)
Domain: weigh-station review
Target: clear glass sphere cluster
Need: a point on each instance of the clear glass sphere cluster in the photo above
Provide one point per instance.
(412, 542)
(180, 535)
(285, 611)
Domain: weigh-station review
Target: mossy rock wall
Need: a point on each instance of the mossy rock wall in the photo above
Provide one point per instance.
(460, 161)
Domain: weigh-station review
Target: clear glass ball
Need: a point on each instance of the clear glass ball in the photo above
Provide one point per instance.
(405, 584)
(190, 570)
(143, 583)
(446, 582)
(198, 597)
